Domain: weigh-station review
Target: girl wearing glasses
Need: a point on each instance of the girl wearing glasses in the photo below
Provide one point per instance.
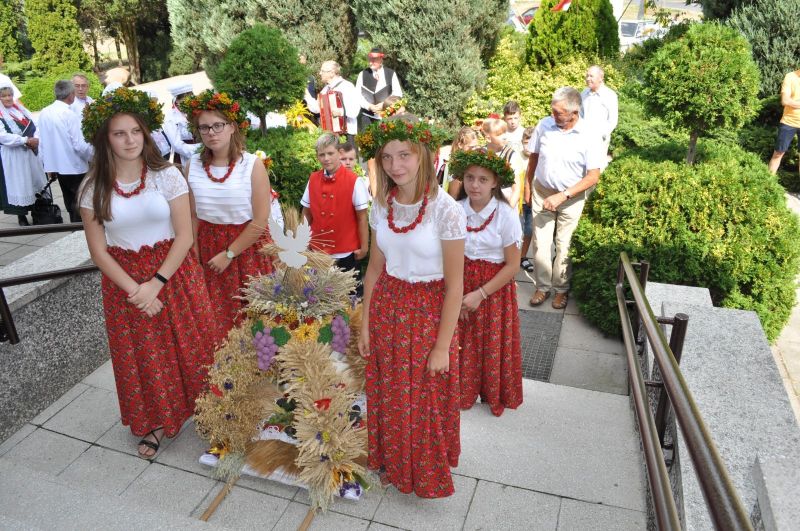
(230, 195)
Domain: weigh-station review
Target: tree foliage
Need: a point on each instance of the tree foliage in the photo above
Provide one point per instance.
(322, 29)
(721, 9)
(9, 24)
(55, 36)
(773, 31)
(429, 44)
(703, 81)
(261, 70)
(487, 19)
(588, 28)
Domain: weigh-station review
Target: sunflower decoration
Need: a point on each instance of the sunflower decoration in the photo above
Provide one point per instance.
(462, 160)
(121, 100)
(399, 127)
(214, 101)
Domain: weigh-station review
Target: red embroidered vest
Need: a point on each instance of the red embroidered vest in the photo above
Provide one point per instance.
(334, 225)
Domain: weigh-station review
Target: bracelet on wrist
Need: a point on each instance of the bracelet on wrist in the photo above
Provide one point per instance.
(161, 278)
(483, 293)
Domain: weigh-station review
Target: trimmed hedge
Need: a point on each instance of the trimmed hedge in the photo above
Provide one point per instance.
(294, 157)
(37, 93)
(722, 224)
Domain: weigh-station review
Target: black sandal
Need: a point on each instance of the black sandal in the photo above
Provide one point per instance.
(153, 445)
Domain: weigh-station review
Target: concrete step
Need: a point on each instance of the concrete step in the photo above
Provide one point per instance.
(36, 500)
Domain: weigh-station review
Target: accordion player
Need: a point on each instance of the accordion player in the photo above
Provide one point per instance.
(328, 102)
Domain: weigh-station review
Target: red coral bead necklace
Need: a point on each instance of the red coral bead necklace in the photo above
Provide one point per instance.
(136, 190)
(207, 167)
(413, 224)
(485, 223)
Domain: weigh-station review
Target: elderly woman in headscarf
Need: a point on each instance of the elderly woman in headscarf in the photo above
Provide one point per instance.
(22, 172)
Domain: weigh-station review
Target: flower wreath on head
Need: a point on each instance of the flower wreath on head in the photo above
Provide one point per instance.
(214, 101)
(125, 100)
(381, 133)
(462, 160)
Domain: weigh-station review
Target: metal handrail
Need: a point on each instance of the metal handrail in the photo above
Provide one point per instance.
(722, 500)
(8, 330)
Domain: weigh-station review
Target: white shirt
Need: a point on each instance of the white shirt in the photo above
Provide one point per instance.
(381, 83)
(62, 147)
(361, 199)
(416, 256)
(176, 127)
(515, 138)
(4, 79)
(565, 156)
(490, 243)
(143, 219)
(78, 105)
(227, 203)
(350, 98)
(601, 109)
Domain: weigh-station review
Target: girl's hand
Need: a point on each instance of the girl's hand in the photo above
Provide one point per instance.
(154, 308)
(363, 342)
(145, 294)
(471, 301)
(438, 362)
(220, 262)
(463, 315)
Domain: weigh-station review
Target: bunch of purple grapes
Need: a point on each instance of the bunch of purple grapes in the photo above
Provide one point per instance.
(341, 334)
(265, 348)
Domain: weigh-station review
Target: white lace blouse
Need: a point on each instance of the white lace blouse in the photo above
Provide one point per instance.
(143, 219)
(416, 256)
(228, 203)
(502, 231)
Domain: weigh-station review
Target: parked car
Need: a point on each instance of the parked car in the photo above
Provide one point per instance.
(527, 16)
(637, 31)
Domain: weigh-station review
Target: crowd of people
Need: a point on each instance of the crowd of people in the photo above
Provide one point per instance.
(445, 232)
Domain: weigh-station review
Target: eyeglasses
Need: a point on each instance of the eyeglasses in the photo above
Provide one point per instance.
(81, 86)
(217, 127)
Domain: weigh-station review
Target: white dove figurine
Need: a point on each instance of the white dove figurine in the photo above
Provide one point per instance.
(292, 245)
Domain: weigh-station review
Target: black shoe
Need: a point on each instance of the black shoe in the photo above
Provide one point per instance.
(23, 220)
(526, 265)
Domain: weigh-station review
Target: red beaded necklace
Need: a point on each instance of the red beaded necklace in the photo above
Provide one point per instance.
(136, 190)
(207, 167)
(413, 224)
(485, 223)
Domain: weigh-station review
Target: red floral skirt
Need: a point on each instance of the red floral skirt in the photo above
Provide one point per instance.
(223, 288)
(413, 418)
(491, 356)
(161, 362)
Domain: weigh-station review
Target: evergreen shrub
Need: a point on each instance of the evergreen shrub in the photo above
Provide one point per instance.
(294, 157)
(510, 78)
(37, 93)
(588, 28)
(722, 224)
(55, 36)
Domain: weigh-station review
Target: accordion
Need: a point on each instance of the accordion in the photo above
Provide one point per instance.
(327, 103)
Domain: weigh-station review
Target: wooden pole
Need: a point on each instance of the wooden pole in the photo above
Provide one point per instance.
(218, 499)
(308, 519)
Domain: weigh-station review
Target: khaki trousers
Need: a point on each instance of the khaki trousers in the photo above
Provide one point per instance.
(549, 227)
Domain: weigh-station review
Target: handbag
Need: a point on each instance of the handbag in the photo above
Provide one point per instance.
(44, 211)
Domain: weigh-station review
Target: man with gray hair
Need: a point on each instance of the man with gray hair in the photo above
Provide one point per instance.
(566, 155)
(82, 98)
(62, 148)
(330, 74)
(600, 104)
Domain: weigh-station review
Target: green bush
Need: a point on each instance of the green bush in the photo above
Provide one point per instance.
(37, 93)
(510, 78)
(588, 29)
(638, 129)
(294, 157)
(722, 224)
(55, 36)
(261, 70)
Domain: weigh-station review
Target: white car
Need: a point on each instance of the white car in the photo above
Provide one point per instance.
(637, 31)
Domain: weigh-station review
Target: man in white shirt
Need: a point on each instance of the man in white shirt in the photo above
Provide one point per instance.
(600, 106)
(176, 125)
(330, 74)
(374, 85)
(566, 155)
(82, 98)
(62, 148)
(512, 116)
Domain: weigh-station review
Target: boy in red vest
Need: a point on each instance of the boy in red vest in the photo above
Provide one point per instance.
(335, 204)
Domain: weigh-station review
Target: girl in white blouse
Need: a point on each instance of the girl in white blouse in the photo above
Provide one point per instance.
(135, 211)
(491, 357)
(230, 194)
(412, 298)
